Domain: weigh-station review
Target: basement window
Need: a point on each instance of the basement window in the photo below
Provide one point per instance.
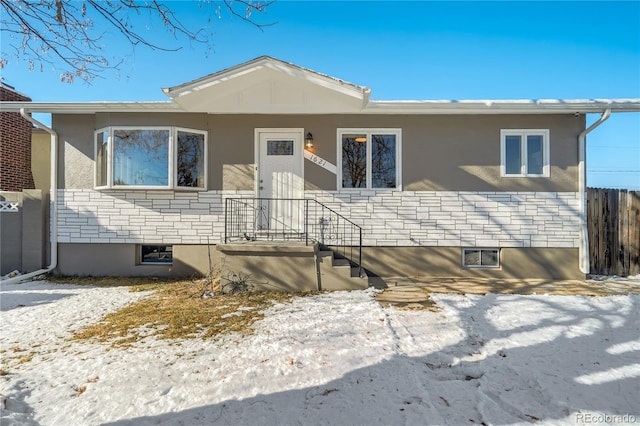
(481, 258)
(154, 254)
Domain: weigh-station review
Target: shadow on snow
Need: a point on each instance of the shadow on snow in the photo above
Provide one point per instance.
(567, 361)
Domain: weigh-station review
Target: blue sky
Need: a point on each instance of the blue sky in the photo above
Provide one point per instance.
(409, 50)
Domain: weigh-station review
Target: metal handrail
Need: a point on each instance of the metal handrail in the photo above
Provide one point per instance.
(292, 219)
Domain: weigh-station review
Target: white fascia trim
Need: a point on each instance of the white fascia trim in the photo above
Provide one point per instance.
(90, 107)
(516, 106)
(435, 107)
(321, 80)
(337, 85)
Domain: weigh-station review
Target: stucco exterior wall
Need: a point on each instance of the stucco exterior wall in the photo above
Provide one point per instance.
(11, 231)
(75, 149)
(22, 230)
(515, 262)
(41, 160)
(387, 262)
(439, 152)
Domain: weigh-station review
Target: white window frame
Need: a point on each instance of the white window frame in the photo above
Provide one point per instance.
(481, 249)
(175, 156)
(523, 133)
(95, 158)
(172, 161)
(397, 132)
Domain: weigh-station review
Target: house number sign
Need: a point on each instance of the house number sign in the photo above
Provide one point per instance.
(320, 162)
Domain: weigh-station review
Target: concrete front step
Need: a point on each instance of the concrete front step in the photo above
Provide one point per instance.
(291, 266)
(339, 274)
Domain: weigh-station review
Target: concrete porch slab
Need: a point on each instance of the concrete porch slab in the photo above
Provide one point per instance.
(280, 247)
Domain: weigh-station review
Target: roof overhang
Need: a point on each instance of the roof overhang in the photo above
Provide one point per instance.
(520, 106)
(89, 107)
(432, 107)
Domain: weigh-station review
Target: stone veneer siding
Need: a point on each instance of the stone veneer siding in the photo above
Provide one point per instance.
(388, 218)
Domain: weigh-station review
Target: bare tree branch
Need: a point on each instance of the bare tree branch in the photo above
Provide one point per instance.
(69, 33)
(250, 7)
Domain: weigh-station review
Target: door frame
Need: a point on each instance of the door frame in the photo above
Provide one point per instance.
(256, 154)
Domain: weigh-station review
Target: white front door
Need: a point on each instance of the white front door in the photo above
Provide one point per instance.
(280, 178)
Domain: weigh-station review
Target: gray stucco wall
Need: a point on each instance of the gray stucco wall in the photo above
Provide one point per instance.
(193, 260)
(439, 152)
(22, 232)
(10, 241)
(41, 160)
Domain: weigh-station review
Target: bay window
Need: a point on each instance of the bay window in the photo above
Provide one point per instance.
(150, 158)
(190, 153)
(369, 158)
(102, 138)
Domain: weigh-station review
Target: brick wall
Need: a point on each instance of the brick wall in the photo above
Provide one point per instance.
(15, 145)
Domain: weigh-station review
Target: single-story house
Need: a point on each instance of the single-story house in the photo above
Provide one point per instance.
(272, 166)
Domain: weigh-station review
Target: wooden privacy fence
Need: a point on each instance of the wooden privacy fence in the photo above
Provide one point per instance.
(613, 221)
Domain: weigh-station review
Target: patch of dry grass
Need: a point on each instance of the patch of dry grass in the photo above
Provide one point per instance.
(112, 281)
(176, 311)
(19, 356)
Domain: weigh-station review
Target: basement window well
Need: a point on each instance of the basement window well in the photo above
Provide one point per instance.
(154, 254)
(481, 258)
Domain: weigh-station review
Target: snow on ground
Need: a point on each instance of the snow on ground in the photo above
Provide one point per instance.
(332, 359)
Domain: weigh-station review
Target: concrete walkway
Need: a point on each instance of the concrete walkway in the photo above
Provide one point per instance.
(407, 297)
(413, 292)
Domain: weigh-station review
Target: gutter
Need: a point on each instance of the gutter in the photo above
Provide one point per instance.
(585, 267)
(53, 208)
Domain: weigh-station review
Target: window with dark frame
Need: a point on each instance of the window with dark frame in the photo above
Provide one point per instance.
(190, 159)
(277, 147)
(369, 158)
(155, 254)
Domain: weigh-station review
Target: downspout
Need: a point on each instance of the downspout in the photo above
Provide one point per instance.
(53, 208)
(585, 268)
